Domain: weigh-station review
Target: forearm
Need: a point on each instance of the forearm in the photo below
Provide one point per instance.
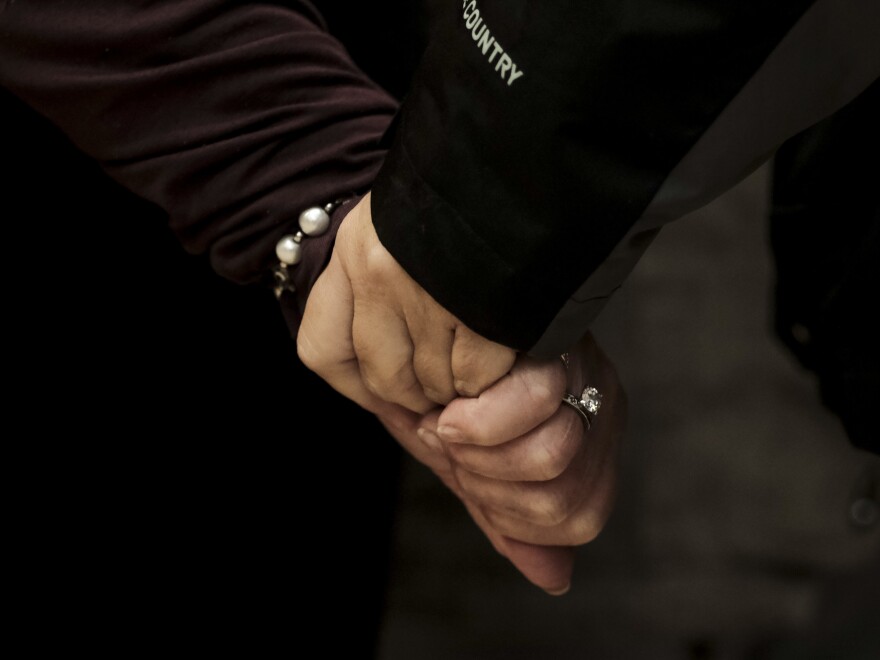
(232, 117)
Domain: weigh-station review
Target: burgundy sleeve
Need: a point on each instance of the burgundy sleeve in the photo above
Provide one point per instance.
(232, 117)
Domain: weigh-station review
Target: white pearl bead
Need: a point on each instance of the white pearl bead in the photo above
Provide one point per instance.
(288, 250)
(314, 221)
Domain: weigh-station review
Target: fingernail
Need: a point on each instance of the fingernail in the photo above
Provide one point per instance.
(559, 592)
(450, 433)
(430, 439)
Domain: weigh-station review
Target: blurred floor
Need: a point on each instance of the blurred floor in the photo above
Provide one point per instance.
(733, 536)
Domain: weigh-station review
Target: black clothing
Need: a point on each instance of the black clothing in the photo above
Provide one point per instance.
(521, 203)
(825, 231)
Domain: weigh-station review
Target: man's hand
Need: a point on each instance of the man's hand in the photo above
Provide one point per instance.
(375, 335)
(532, 478)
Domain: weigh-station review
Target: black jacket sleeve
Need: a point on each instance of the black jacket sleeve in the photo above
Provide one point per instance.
(233, 117)
(543, 143)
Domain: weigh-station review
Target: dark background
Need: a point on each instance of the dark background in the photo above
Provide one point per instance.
(734, 535)
(184, 480)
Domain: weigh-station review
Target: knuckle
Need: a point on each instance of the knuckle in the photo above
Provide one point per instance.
(549, 460)
(436, 384)
(550, 507)
(381, 383)
(469, 388)
(379, 263)
(381, 378)
(478, 364)
(542, 395)
(585, 528)
(555, 448)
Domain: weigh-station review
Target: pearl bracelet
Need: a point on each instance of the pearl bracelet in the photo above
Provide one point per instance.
(313, 221)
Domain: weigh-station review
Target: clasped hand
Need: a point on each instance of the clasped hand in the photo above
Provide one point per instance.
(488, 423)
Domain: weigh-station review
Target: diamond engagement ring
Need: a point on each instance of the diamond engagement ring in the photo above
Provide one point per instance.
(587, 406)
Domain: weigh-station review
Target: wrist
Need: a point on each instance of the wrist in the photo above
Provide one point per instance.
(315, 251)
(313, 222)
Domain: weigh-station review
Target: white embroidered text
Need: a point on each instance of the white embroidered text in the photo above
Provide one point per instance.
(487, 43)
